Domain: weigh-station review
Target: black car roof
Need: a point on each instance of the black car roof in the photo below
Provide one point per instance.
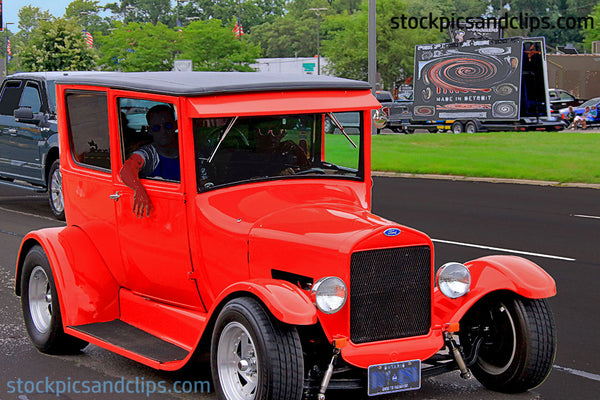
(205, 83)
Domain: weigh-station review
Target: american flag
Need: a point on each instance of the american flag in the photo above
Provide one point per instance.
(89, 38)
(8, 49)
(237, 29)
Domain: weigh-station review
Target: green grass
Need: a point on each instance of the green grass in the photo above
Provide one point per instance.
(566, 157)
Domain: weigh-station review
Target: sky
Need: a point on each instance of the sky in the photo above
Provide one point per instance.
(10, 8)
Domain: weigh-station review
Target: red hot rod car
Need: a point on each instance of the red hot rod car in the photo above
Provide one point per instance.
(258, 246)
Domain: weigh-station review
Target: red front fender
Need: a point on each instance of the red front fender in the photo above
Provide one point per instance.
(490, 274)
(287, 302)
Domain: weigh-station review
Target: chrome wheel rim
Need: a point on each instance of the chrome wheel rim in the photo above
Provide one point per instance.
(56, 194)
(499, 357)
(237, 363)
(40, 299)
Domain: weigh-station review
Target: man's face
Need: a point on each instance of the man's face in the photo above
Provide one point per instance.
(162, 127)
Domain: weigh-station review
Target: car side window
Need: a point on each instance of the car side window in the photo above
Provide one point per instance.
(87, 115)
(11, 95)
(31, 98)
(566, 96)
(149, 128)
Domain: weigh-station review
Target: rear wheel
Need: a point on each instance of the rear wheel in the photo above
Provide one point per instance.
(55, 192)
(41, 309)
(470, 127)
(457, 127)
(511, 341)
(254, 356)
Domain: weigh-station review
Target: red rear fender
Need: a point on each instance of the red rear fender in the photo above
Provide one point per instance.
(86, 289)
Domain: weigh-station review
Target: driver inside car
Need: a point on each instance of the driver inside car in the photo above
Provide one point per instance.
(157, 159)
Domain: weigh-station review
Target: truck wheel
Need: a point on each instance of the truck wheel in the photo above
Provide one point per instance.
(254, 356)
(41, 308)
(457, 127)
(55, 192)
(470, 127)
(432, 130)
(515, 341)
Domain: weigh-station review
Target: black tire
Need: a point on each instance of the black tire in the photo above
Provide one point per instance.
(274, 367)
(41, 308)
(410, 131)
(470, 127)
(457, 127)
(432, 130)
(55, 191)
(516, 342)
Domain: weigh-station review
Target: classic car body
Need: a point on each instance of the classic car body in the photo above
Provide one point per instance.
(245, 263)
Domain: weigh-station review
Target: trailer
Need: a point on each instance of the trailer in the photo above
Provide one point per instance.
(482, 85)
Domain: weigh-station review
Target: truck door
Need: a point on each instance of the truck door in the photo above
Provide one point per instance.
(9, 102)
(28, 134)
(155, 248)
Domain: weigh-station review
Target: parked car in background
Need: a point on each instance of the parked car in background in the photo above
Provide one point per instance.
(29, 135)
(579, 110)
(560, 99)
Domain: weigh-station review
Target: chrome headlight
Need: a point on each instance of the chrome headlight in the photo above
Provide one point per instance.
(329, 294)
(454, 280)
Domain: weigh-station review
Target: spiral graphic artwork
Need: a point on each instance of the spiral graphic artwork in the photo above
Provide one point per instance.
(424, 111)
(504, 109)
(462, 75)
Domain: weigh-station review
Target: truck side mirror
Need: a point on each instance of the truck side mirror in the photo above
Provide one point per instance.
(25, 114)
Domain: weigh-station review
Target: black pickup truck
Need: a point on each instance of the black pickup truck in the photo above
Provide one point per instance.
(29, 135)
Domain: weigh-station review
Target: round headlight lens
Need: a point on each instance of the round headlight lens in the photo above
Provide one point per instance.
(329, 294)
(454, 280)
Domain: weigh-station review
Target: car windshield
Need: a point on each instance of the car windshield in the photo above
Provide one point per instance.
(591, 102)
(239, 149)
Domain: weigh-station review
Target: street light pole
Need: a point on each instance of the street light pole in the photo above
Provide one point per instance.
(318, 13)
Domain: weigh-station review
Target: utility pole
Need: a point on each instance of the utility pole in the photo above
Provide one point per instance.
(318, 13)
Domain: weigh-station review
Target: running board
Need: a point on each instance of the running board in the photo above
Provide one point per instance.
(26, 186)
(132, 340)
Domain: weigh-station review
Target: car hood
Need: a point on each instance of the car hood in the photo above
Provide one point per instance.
(318, 240)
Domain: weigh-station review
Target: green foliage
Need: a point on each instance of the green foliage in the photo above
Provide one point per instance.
(149, 47)
(56, 45)
(346, 37)
(212, 47)
(138, 47)
(86, 14)
(593, 34)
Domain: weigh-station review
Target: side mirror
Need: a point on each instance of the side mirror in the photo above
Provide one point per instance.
(379, 119)
(26, 115)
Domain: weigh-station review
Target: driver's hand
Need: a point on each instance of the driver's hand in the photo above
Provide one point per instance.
(141, 203)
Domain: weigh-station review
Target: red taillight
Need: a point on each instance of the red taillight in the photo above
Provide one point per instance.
(386, 110)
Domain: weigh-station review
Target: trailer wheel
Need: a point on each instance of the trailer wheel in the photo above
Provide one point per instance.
(511, 341)
(432, 130)
(457, 127)
(470, 127)
(254, 356)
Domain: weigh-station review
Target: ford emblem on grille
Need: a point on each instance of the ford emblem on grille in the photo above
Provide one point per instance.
(392, 232)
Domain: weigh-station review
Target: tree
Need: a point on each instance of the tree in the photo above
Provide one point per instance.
(346, 38)
(212, 47)
(138, 47)
(153, 11)
(56, 45)
(86, 14)
(591, 34)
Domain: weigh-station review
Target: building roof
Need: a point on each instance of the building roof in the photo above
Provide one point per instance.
(208, 83)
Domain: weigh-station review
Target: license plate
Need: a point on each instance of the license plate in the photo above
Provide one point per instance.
(394, 377)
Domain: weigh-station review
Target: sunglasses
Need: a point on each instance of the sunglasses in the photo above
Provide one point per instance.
(167, 126)
(271, 132)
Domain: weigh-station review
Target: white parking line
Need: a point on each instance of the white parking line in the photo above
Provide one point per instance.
(527, 253)
(586, 216)
(584, 374)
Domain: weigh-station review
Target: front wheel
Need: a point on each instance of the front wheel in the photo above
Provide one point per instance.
(55, 192)
(254, 356)
(41, 308)
(510, 341)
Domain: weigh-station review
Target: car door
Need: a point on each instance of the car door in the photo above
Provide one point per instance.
(155, 248)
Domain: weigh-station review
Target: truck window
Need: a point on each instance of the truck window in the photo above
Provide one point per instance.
(31, 97)
(87, 114)
(11, 94)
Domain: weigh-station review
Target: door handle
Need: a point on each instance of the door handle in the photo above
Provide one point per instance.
(116, 196)
(12, 131)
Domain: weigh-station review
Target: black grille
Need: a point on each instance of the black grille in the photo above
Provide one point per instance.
(390, 293)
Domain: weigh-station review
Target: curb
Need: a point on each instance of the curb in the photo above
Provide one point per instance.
(488, 180)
